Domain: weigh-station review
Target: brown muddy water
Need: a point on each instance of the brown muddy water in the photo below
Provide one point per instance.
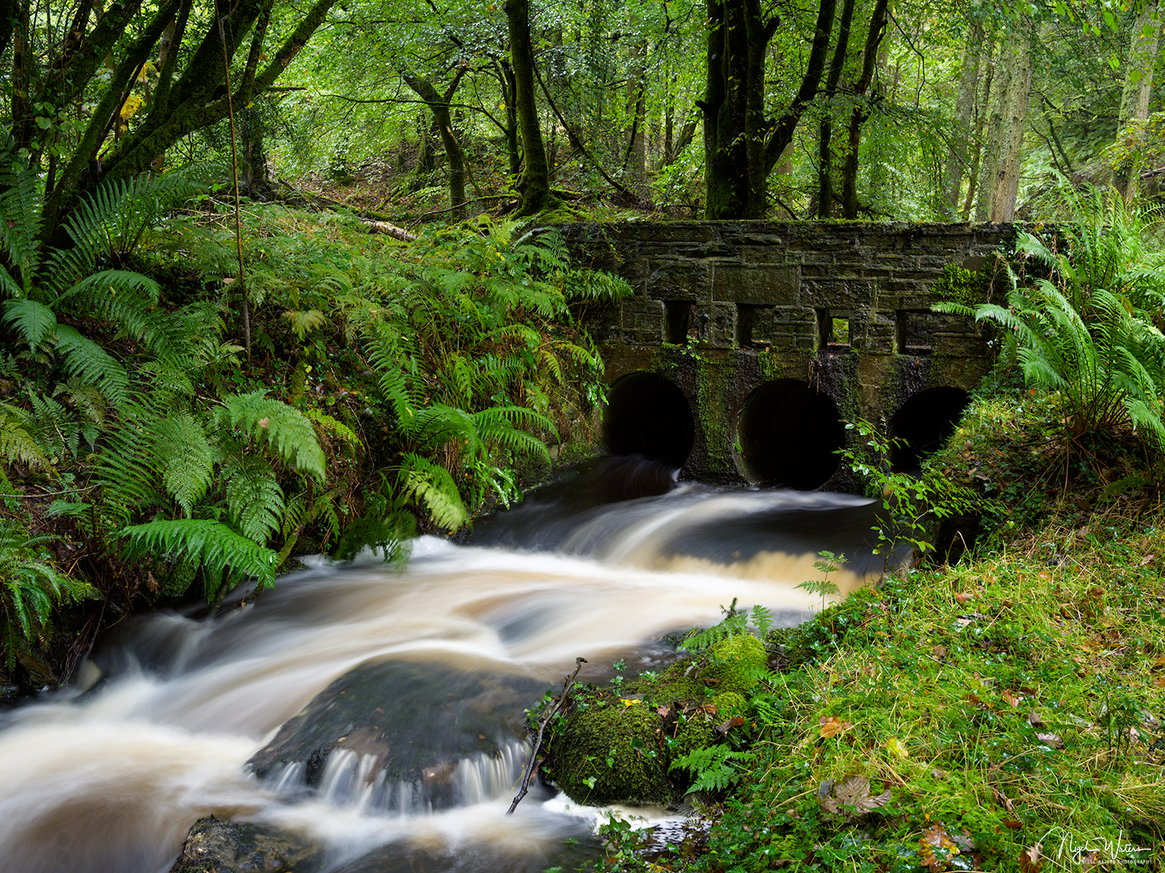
(109, 775)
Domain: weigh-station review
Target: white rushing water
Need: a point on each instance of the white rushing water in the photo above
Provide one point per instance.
(110, 780)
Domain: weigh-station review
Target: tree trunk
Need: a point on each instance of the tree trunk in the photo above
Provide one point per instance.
(1135, 101)
(439, 105)
(733, 106)
(960, 146)
(635, 160)
(999, 187)
(825, 195)
(849, 182)
(534, 181)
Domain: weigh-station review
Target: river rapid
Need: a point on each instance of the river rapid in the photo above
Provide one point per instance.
(157, 730)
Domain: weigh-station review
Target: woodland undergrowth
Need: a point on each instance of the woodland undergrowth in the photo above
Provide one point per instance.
(159, 439)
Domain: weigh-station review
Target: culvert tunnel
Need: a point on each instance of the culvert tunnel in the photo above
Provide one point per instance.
(923, 424)
(789, 436)
(648, 415)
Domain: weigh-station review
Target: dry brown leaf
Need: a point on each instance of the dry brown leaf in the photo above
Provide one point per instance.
(963, 596)
(723, 729)
(935, 847)
(1053, 740)
(1011, 698)
(832, 726)
(1033, 718)
(850, 797)
(1031, 859)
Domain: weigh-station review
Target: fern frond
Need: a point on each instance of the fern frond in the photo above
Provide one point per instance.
(327, 425)
(184, 453)
(715, 768)
(433, 488)
(255, 502)
(284, 429)
(32, 320)
(86, 360)
(17, 442)
(224, 555)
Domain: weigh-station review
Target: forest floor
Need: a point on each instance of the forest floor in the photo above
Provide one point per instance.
(1002, 713)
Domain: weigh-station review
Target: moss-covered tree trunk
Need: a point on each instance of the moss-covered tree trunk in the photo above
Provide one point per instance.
(439, 104)
(534, 181)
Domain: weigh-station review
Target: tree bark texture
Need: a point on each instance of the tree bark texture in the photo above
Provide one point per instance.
(742, 144)
(439, 105)
(825, 188)
(1138, 88)
(534, 181)
(999, 189)
(849, 181)
(959, 149)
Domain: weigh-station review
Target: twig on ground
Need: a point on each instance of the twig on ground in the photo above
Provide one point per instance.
(542, 725)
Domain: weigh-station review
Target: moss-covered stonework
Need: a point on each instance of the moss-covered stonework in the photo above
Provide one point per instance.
(721, 308)
(617, 744)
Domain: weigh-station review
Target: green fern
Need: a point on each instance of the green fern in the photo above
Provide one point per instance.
(714, 768)
(32, 320)
(255, 502)
(223, 556)
(18, 445)
(184, 454)
(284, 429)
(86, 360)
(432, 487)
(33, 588)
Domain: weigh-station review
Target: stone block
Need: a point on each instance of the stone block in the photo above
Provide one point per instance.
(678, 279)
(716, 325)
(837, 293)
(740, 283)
(643, 320)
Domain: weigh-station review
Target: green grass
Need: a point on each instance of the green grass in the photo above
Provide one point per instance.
(957, 719)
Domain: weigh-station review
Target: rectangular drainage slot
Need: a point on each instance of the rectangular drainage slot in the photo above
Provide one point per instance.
(679, 320)
(833, 329)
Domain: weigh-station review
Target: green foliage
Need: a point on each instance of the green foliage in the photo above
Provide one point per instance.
(33, 588)
(714, 768)
(827, 563)
(911, 503)
(222, 556)
(1086, 331)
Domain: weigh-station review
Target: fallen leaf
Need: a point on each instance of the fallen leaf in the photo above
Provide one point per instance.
(664, 711)
(1031, 859)
(723, 729)
(629, 701)
(832, 726)
(1014, 823)
(935, 848)
(1011, 698)
(1053, 740)
(850, 797)
(963, 596)
(1033, 718)
(897, 748)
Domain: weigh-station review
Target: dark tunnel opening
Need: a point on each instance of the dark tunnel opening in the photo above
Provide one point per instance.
(789, 435)
(648, 415)
(924, 423)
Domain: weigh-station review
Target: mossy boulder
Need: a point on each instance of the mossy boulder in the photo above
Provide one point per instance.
(610, 752)
(735, 663)
(617, 745)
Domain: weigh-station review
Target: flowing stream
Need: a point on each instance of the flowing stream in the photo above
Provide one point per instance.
(166, 722)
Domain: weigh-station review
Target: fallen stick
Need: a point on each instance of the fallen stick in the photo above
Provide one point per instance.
(542, 725)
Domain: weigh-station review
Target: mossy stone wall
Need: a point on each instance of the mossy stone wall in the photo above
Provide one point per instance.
(723, 307)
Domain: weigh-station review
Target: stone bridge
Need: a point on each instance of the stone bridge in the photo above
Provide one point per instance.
(747, 345)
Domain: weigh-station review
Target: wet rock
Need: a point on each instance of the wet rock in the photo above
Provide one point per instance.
(406, 724)
(215, 846)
